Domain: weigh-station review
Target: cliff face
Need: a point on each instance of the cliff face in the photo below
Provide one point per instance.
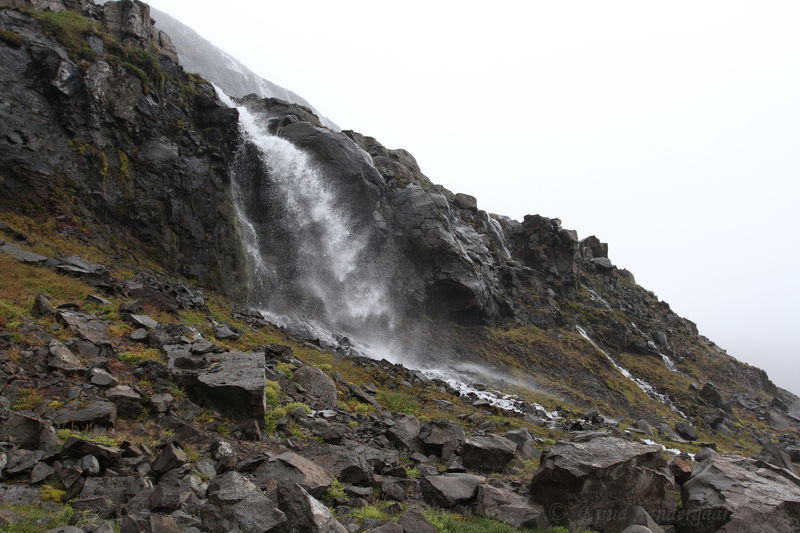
(99, 123)
(105, 135)
(153, 404)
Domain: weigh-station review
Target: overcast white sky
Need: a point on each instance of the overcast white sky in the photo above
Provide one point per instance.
(670, 130)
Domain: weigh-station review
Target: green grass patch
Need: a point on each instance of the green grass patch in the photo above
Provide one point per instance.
(64, 434)
(335, 490)
(27, 399)
(52, 493)
(369, 511)
(136, 354)
(399, 402)
(70, 29)
(36, 519)
(272, 392)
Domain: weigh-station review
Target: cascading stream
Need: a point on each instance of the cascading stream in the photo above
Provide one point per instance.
(330, 260)
(327, 270)
(642, 384)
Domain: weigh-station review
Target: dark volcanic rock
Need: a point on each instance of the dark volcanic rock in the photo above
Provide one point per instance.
(441, 438)
(320, 389)
(686, 431)
(414, 522)
(730, 494)
(96, 413)
(289, 467)
(604, 473)
(135, 159)
(490, 453)
(234, 385)
(305, 513)
(509, 507)
(449, 490)
(85, 326)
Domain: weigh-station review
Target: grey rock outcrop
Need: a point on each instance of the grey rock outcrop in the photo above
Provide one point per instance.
(729, 494)
(605, 473)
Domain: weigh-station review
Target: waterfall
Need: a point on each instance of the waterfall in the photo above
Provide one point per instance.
(500, 236)
(320, 276)
(324, 279)
(642, 384)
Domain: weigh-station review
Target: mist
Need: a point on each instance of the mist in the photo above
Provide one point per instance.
(669, 131)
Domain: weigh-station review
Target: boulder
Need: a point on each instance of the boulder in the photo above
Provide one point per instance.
(95, 413)
(254, 513)
(85, 326)
(449, 490)
(234, 385)
(23, 256)
(465, 201)
(168, 458)
(489, 453)
(524, 442)
(61, 358)
(289, 467)
(412, 521)
(230, 488)
(28, 432)
(345, 465)
(320, 389)
(440, 437)
(77, 447)
(686, 431)
(128, 401)
(507, 506)
(737, 494)
(606, 473)
(305, 513)
(773, 455)
(143, 321)
(403, 433)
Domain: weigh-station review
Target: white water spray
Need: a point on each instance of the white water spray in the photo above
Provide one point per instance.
(329, 264)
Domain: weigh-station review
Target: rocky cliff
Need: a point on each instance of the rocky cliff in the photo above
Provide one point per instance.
(197, 293)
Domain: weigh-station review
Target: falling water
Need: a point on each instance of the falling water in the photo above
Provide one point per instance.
(597, 298)
(642, 384)
(328, 274)
(330, 263)
(500, 236)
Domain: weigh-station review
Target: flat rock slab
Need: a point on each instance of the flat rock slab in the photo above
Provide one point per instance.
(61, 358)
(143, 321)
(739, 494)
(81, 267)
(99, 413)
(606, 473)
(234, 385)
(85, 326)
(449, 490)
(290, 468)
(76, 447)
(23, 256)
(489, 453)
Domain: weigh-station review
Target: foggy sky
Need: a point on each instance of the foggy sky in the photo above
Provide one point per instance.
(670, 131)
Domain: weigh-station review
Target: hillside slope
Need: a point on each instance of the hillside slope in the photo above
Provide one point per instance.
(226, 310)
